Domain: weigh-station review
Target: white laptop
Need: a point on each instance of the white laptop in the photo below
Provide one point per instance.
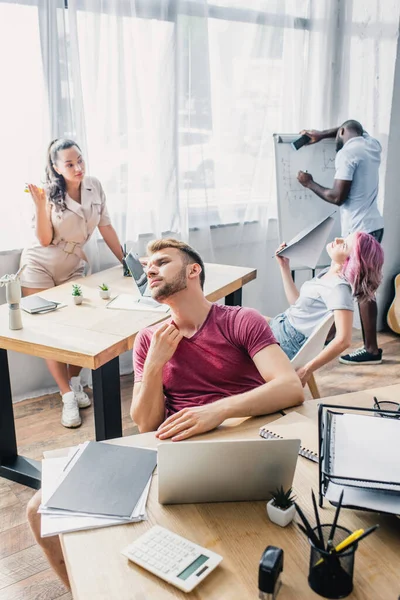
(223, 471)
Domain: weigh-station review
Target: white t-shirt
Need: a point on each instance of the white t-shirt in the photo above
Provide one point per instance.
(358, 161)
(319, 297)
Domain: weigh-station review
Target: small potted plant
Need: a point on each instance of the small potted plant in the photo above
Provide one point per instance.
(77, 293)
(104, 291)
(281, 507)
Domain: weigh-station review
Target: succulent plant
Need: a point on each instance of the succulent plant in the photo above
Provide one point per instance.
(76, 290)
(282, 499)
(104, 287)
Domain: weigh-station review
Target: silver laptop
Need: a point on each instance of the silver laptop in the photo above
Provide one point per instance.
(223, 471)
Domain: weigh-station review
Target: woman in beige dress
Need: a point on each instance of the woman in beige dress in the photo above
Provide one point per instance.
(66, 214)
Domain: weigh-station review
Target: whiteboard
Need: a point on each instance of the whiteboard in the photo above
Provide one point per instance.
(299, 207)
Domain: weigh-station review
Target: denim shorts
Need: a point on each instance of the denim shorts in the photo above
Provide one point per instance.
(289, 338)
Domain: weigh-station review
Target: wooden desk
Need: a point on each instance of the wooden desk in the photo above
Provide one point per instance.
(89, 335)
(239, 532)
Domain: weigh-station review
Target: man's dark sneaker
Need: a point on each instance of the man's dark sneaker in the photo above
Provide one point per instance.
(362, 357)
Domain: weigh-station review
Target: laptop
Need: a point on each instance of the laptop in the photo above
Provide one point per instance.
(136, 270)
(224, 470)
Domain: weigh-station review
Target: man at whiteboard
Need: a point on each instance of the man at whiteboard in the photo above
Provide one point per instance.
(355, 191)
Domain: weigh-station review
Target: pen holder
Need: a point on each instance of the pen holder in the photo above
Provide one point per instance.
(13, 296)
(388, 410)
(331, 574)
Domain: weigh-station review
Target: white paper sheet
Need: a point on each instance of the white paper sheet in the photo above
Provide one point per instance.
(306, 247)
(127, 302)
(366, 447)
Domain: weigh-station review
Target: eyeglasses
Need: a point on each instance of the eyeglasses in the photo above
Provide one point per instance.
(387, 409)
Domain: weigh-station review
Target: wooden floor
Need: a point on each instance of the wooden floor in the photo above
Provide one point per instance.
(24, 574)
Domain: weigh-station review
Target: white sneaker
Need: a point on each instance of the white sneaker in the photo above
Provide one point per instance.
(70, 412)
(81, 397)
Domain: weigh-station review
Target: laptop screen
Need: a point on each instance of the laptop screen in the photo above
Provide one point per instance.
(136, 270)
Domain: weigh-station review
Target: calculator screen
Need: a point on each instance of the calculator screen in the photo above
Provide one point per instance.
(193, 567)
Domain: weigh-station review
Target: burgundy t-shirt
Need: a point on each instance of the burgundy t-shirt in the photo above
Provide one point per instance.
(215, 362)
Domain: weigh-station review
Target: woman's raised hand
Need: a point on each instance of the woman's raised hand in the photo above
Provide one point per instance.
(282, 260)
(38, 194)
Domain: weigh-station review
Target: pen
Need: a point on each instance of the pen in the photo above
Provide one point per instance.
(376, 403)
(361, 537)
(351, 539)
(308, 527)
(335, 520)
(313, 538)
(320, 534)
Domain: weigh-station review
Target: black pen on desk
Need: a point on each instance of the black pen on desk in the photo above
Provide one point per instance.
(362, 536)
(335, 520)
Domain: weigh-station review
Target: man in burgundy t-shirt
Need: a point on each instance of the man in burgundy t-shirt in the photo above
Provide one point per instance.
(209, 361)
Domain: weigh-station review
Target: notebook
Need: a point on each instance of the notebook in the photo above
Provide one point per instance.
(37, 304)
(106, 480)
(292, 426)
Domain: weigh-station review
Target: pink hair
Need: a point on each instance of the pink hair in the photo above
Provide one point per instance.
(363, 268)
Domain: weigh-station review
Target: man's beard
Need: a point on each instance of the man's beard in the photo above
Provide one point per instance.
(165, 290)
(339, 145)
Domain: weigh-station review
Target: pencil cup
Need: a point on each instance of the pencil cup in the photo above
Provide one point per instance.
(331, 574)
(388, 410)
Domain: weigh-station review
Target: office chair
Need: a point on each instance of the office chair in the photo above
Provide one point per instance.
(311, 349)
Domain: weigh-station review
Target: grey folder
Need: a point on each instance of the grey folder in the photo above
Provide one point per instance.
(106, 480)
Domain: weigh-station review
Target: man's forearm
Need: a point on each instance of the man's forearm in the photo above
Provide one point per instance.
(148, 406)
(326, 194)
(329, 133)
(271, 397)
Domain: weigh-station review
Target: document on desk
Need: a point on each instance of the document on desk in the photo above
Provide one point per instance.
(54, 522)
(128, 302)
(104, 479)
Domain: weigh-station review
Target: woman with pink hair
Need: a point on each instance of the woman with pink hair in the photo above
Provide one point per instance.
(355, 272)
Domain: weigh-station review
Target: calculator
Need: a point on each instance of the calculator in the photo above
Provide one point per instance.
(172, 558)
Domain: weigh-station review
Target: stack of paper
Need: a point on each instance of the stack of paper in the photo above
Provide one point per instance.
(97, 485)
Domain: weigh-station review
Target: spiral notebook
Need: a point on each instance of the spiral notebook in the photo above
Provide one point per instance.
(292, 426)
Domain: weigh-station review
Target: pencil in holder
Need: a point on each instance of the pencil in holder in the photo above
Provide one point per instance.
(331, 574)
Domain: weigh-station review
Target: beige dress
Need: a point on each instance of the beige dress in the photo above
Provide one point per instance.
(64, 259)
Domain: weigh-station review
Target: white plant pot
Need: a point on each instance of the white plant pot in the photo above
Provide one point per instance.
(77, 299)
(105, 294)
(279, 516)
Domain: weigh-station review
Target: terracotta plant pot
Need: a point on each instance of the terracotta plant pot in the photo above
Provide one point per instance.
(279, 516)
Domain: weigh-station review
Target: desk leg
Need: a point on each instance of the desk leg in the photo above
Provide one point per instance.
(234, 299)
(17, 468)
(107, 401)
